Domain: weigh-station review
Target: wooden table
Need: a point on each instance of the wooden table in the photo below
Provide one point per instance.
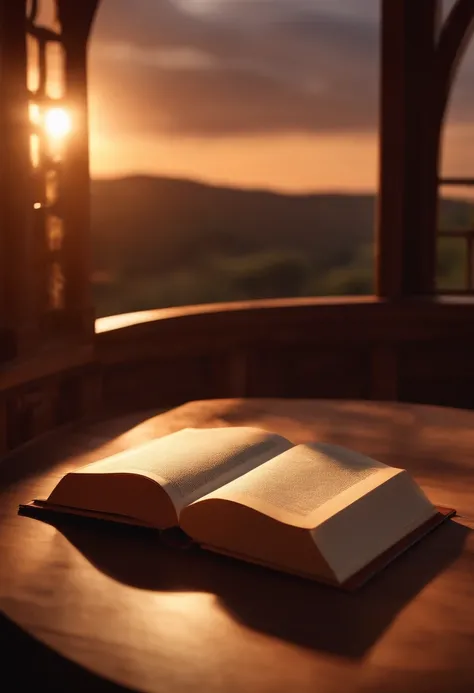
(88, 609)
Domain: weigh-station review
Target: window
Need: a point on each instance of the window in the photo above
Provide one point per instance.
(234, 150)
(456, 204)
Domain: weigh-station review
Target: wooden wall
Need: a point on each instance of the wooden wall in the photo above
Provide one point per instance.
(414, 351)
(36, 399)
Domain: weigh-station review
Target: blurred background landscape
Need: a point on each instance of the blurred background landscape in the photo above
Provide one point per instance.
(234, 152)
(224, 244)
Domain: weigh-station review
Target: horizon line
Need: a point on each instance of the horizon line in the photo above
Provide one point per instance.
(273, 190)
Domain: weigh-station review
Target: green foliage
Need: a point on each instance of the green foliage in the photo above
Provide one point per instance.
(451, 264)
(265, 275)
(455, 214)
(162, 243)
(221, 278)
(345, 281)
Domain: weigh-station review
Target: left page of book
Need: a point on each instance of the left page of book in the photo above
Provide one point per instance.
(185, 465)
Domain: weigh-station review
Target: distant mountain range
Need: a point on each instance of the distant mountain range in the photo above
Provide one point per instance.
(143, 225)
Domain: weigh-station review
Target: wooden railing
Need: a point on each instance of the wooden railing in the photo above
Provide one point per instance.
(417, 350)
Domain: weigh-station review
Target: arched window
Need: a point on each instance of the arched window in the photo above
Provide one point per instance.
(456, 190)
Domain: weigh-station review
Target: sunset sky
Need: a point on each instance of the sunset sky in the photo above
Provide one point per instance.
(271, 93)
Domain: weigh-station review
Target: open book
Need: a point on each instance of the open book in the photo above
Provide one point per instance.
(317, 510)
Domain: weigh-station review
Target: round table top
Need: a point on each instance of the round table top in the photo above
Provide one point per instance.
(98, 609)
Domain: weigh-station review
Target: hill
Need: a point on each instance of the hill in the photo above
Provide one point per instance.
(153, 222)
(163, 241)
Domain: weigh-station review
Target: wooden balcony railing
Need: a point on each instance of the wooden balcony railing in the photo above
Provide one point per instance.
(417, 350)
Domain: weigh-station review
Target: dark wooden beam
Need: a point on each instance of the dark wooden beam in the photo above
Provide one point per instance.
(454, 39)
(77, 18)
(17, 278)
(406, 243)
(77, 195)
(24, 323)
(76, 21)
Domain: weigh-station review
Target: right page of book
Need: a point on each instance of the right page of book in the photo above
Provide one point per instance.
(354, 507)
(294, 486)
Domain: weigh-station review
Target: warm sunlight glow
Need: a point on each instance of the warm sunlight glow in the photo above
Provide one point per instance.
(57, 123)
(35, 113)
(34, 151)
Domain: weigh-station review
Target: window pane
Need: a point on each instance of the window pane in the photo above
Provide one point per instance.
(32, 52)
(452, 257)
(234, 150)
(55, 71)
(46, 15)
(456, 202)
(56, 287)
(54, 232)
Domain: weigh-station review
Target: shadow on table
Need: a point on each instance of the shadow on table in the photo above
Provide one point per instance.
(27, 664)
(290, 608)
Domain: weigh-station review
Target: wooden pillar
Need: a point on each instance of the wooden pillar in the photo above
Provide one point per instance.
(17, 265)
(77, 191)
(76, 24)
(46, 316)
(409, 150)
(30, 256)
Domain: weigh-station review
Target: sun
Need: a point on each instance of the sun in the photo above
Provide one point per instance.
(57, 123)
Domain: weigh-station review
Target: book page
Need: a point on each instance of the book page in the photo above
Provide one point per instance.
(294, 486)
(357, 532)
(316, 509)
(194, 462)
